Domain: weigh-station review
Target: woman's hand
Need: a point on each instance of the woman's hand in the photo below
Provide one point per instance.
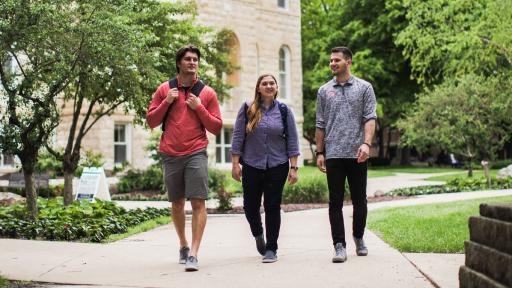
(236, 172)
(292, 177)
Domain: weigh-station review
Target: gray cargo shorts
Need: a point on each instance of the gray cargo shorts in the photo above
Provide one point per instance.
(186, 176)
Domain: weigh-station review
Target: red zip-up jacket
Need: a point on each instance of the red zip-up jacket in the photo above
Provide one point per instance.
(184, 128)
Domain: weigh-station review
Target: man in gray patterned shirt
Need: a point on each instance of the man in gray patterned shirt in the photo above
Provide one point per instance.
(345, 124)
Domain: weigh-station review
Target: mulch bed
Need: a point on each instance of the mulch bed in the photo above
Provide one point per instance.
(306, 206)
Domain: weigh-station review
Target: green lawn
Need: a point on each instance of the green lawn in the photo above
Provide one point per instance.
(476, 173)
(438, 228)
(142, 227)
(421, 170)
(309, 171)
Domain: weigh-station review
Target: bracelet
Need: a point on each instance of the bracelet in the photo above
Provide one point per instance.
(369, 146)
(294, 168)
(319, 153)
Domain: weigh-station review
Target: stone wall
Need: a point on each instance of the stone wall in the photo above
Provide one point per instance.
(260, 28)
(489, 250)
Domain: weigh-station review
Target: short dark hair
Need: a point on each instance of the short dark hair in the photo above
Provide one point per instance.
(183, 50)
(344, 50)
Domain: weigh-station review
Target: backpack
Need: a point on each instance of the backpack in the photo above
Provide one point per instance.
(283, 109)
(173, 83)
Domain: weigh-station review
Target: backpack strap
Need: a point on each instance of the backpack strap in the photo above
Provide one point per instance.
(246, 120)
(173, 83)
(197, 88)
(284, 118)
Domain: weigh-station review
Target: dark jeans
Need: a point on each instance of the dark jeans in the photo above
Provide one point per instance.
(270, 183)
(337, 171)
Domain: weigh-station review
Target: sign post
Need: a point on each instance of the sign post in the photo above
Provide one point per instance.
(93, 184)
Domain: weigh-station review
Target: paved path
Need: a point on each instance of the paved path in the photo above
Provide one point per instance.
(381, 185)
(227, 258)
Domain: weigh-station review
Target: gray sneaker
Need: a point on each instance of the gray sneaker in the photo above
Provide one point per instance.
(184, 254)
(260, 244)
(361, 249)
(270, 257)
(191, 264)
(340, 254)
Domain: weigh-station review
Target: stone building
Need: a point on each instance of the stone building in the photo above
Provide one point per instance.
(265, 39)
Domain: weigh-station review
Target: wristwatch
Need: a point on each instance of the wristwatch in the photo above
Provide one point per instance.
(319, 153)
(294, 168)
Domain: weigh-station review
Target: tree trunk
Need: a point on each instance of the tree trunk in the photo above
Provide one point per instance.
(388, 154)
(68, 188)
(470, 167)
(405, 159)
(380, 141)
(30, 190)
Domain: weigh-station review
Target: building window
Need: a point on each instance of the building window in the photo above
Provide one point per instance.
(284, 73)
(282, 4)
(223, 145)
(121, 143)
(6, 160)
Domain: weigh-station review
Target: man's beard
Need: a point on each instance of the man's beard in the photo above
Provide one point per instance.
(342, 69)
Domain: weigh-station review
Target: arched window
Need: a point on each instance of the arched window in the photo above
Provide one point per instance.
(233, 78)
(284, 73)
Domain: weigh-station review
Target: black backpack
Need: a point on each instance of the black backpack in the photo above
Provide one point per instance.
(196, 90)
(284, 117)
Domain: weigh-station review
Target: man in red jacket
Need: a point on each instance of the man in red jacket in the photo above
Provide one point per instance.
(185, 117)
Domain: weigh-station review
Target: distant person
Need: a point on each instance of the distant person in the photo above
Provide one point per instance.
(345, 124)
(265, 137)
(186, 108)
(453, 161)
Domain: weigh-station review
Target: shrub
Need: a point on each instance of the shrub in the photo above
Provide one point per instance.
(308, 190)
(498, 164)
(47, 163)
(376, 161)
(138, 180)
(454, 185)
(89, 159)
(47, 192)
(83, 221)
(152, 180)
(217, 186)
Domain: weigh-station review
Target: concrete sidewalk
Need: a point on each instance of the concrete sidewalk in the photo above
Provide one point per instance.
(227, 258)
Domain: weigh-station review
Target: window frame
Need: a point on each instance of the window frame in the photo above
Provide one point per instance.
(127, 142)
(223, 145)
(287, 85)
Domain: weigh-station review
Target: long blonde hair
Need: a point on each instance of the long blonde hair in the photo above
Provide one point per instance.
(254, 111)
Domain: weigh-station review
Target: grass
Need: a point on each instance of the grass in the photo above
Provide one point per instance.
(420, 170)
(3, 282)
(235, 187)
(142, 227)
(437, 228)
(476, 174)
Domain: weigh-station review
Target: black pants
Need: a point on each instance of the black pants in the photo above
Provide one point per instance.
(337, 171)
(270, 183)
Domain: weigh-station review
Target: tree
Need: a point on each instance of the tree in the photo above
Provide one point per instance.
(368, 28)
(446, 41)
(33, 37)
(447, 38)
(469, 116)
(126, 49)
(93, 57)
